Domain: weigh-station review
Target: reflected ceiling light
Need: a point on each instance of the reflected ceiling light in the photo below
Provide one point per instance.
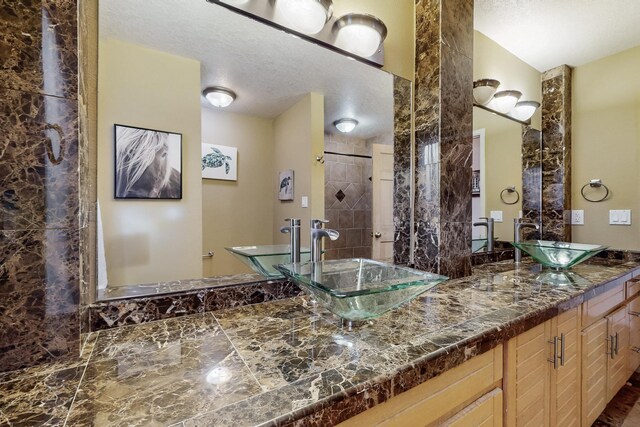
(219, 375)
(524, 110)
(219, 97)
(360, 34)
(484, 89)
(505, 100)
(345, 125)
(306, 16)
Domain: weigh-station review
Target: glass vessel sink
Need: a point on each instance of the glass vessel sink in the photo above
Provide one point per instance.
(360, 289)
(558, 255)
(478, 244)
(262, 259)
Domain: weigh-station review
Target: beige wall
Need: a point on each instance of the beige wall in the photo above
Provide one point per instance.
(503, 137)
(606, 145)
(149, 240)
(399, 17)
(237, 213)
(298, 139)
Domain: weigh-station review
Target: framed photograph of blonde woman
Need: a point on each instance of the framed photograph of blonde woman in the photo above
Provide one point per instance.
(148, 163)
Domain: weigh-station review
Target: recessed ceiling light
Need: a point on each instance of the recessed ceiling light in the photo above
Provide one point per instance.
(360, 34)
(345, 125)
(305, 16)
(219, 97)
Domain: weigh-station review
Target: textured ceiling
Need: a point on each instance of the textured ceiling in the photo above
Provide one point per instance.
(548, 33)
(269, 69)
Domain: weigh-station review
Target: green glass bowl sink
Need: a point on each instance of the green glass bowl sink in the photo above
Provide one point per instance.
(360, 289)
(558, 255)
(262, 259)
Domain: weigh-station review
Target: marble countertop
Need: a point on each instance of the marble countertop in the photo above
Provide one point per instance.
(289, 362)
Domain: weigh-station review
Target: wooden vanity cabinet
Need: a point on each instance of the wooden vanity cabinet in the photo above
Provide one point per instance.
(468, 395)
(542, 375)
(605, 351)
(634, 334)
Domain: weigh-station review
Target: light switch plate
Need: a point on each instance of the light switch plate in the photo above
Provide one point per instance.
(497, 216)
(620, 217)
(577, 217)
(305, 201)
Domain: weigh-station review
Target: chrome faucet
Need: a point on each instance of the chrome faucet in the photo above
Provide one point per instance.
(317, 233)
(489, 223)
(294, 238)
(517, 226)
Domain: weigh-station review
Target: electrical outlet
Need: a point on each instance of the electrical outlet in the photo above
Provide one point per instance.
(577, 217)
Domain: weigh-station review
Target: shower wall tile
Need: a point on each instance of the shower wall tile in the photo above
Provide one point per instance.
(443, 99)
(556, 153)
(38, 161)
(38, 47)
(38, 297)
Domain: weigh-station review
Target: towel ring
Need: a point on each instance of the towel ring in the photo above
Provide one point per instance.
(595, 183)
(510, 190)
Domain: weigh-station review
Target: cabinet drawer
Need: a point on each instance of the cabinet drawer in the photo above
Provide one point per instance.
(634, 334)
(633, 287)
(440, 397)
(484, 412)
(598, 307)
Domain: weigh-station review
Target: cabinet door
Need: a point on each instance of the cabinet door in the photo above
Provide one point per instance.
(634, 334)
(565, 379)
(595, 346)
(618, 361)
(527, 378)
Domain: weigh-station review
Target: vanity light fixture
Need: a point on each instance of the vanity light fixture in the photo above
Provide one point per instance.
(219, 96)
(524, 110)
(484, 89)
(235, 2)
(504, 101)
(360, 33)
(345, 125)
(305, 16)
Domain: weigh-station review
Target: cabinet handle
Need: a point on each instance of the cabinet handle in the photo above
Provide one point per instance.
(562, 350)
(617, 340)
(636, 349)
(611, 344)
(555, 352)
(635, 313)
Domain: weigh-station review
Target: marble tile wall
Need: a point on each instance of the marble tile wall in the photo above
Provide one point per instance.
(348, 197)
(556, 153)
(39, 209)
(443, 136)
(402, 149)
(531, 180)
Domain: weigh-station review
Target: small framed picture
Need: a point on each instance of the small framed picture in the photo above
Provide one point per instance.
(285, 191)
(148, 163)
(219, 162)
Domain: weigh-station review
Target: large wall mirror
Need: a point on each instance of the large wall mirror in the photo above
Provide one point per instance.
(180, 180)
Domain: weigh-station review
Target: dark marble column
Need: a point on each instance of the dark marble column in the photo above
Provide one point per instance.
(402, 203)
(39, 226)
(556, 153)
(443, 133)
(531, 180)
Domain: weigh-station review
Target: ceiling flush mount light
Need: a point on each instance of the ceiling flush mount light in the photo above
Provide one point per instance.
(305, 16)
(505, 100)
(345, 125)
(360, 34)
(484, 89)
(524, 110)
(219, 97)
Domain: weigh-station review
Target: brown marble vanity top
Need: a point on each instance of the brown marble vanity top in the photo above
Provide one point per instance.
(289, 362)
